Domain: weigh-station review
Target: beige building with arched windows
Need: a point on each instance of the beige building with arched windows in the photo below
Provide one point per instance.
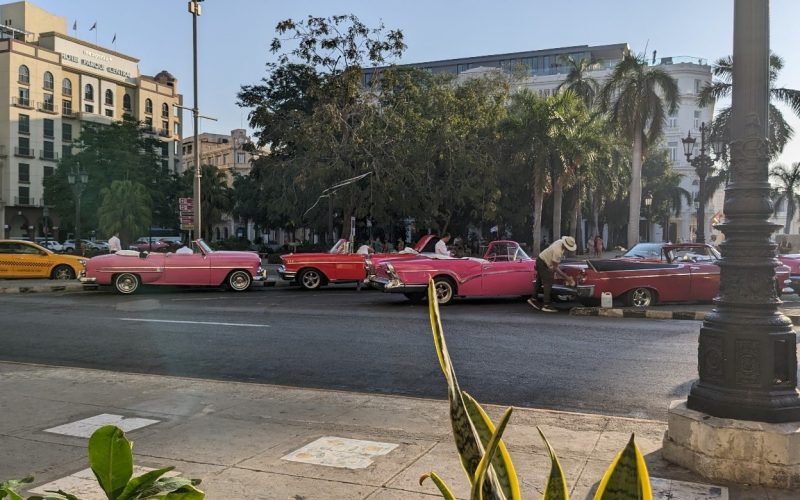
(53, 82)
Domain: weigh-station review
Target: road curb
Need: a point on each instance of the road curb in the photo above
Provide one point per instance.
(618, 312)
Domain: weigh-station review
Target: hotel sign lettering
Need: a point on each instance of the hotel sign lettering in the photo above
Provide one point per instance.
(73, 54)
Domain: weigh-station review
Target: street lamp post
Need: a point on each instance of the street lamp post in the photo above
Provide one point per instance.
(747, 354)
(648, 200)
(77, 180)
(702, 164)
(196, 10)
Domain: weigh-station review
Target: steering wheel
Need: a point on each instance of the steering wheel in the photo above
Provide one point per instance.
(491, 257)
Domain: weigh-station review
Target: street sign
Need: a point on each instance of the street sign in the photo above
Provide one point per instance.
(187, 220)
(187, 227)
(186, 204)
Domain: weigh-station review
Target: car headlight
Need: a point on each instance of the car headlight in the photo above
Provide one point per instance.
(390, 271)
(82, 262)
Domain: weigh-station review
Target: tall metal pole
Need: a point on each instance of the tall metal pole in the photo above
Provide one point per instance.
(747, 353)
(194, 8)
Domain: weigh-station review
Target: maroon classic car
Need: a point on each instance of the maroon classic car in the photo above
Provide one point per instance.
(126, 270)
(655, 272)
(504, 270)
(792, 261)
(339, 265)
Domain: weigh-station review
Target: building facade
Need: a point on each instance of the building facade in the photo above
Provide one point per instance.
(53, 83)
(544, 70)
(231, 154)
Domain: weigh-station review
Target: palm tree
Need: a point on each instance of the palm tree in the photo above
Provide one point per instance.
(578, 79)
(779, 130)
(664, 184)
(637, 110)
(216, 196)
(789, 179)
(125, 209)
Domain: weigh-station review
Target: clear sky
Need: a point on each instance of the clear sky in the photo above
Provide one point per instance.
(234, 35)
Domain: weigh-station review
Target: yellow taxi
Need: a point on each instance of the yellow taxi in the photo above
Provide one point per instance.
(25, 259)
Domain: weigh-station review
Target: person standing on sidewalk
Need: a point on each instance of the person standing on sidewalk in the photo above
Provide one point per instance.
(114, 245)
(547, 267)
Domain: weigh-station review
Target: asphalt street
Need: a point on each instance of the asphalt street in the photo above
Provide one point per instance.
(338, 338)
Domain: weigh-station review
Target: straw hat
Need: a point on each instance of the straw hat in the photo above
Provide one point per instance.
(569, 243)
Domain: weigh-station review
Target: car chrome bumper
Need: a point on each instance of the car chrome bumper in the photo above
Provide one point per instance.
(84, 279)
(394, 286)
(585, 290)
(286, 275)
(261, 275)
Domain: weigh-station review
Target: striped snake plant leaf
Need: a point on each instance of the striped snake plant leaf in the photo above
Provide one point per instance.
(445, 490)
(470, 450)
(501, 463)
(556, 488)
(483, 467)
(627, 477)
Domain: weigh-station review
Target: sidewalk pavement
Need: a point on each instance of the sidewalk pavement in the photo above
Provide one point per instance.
(242, 439)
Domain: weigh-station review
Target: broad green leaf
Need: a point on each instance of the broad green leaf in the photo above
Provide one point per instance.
(168, 485)
(111, 459)
(141, 483)
(8, 488)
(55, 495)
(483, 466)
(188, 492)
(447, 494)
(627, 477)
(556, 488)
(469, 447)
(501, 463)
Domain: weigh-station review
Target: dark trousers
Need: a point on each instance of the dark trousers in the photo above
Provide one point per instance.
(544, 280)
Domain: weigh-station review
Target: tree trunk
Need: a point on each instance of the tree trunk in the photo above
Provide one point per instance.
(789, 216)
(558, 195)
(574, 219)
(538, 204)
(635, 189)
(595, 212)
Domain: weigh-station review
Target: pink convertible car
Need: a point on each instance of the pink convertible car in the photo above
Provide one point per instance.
(128, 269)
(504, 270)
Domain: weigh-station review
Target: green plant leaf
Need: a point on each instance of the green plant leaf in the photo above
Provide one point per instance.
(141, 483)
(501, 463)
(8, 488)
(56, 495)
(447, 494)
(483, 467)
(627, 476)
(182, 487)
(470, 450)
(556, 488)
(111, 459)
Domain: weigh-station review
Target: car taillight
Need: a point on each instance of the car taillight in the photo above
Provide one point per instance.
(582, 276)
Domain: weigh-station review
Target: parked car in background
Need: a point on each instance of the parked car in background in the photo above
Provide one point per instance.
(146, 244)
(69, 246)
(504, 270)
(52, 245)
(127, 270)
(25, 259)
(792, 261)
(650, 273)
(339, 264)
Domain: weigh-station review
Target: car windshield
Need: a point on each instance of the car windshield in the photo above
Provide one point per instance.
(645, 251)
(204, 246)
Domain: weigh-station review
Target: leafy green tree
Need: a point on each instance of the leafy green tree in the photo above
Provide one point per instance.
(107, 153)
(125, 209)
(578, 79)
(780, 132)
(637, 99)
(664, 185)
(789, 182)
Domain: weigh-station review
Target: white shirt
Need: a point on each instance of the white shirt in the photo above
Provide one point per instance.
(441, 248)
(363, 250)
(553, 254)
(114, 244)
(184, 250)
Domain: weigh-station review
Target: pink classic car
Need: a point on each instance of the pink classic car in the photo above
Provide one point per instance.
(338, 265)
(792, 261)
(128, 269)
(655, 272)
(504, 270)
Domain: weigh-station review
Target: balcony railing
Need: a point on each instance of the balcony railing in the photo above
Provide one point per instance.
(24, 201)
(24, 152)
(163, 132)
(22, 102)
(148, 129)
(68, 113)
(48, 155)
(47, 107)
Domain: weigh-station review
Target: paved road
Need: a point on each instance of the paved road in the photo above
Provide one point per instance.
(504, 352)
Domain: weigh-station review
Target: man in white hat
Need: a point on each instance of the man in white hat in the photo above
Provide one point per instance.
(546, 267)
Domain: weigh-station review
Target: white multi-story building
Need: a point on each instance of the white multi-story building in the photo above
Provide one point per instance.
(545, 71)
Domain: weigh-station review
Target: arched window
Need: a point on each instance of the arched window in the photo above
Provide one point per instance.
(165, 110)
(88, 92)
(48, 81)
(126, 102)
(66, 87)
(148, 106)
(24, 74)
(109, 98)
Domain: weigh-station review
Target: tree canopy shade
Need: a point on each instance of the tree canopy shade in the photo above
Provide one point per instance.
(787, 190)
(780, 132)
(107, 153)
(632, 97)
(125, 209)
